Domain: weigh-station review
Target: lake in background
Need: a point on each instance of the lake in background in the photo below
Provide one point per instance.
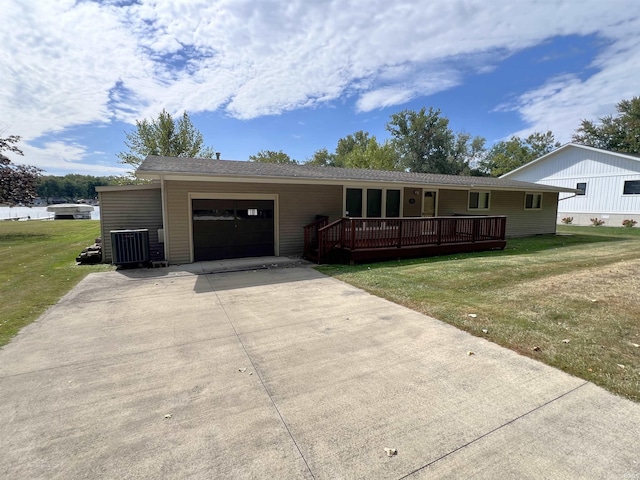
(36, 213)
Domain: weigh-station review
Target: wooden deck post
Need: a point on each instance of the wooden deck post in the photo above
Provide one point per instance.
(474, 230)
(400, 234)
(353, 235)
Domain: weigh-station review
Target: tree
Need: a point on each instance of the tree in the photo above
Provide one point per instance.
(371, 155)
(164, 136)
(17, 182)
(271, 156)
(322, 158)
(618, 134)
(358, 150)
(71, 186)
(510, 154)
(426, 144)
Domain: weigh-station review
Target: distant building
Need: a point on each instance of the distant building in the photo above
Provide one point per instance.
(608, 183)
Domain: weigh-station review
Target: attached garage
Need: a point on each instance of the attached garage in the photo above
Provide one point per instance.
(232, 228)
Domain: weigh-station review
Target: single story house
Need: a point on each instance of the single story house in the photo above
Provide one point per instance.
(204, 209)
(607, 183)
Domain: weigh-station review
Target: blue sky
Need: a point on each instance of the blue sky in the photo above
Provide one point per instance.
(297, 75)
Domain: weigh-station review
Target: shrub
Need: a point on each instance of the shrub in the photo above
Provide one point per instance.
(629, 223)
(567, 220)
(596, 222)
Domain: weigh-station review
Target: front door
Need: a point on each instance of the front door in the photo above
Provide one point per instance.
(429, 205)
(412, 203)
(229, 228)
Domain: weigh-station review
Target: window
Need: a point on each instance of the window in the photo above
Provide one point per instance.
(631, 187)
(354, 202)
(532, 201)
(374, 202)
(582, 188)
(478, 200)
(393, 203)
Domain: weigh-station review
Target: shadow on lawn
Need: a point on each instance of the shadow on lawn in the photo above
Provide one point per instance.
(515, 246)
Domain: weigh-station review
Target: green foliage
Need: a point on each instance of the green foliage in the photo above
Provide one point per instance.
(358, 150)
(164, 136)
(597, 222)
(17, 182)
(271, 156)
(567, 220)
(618, 134)
(322, 158)
(508, 155)
(629, 223)
(72, 186)
(425, 143)
(363, 151)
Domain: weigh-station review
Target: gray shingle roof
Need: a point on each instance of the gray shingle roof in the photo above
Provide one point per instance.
(153, 166)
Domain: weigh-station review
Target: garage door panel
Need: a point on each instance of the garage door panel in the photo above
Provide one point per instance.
(225, 228)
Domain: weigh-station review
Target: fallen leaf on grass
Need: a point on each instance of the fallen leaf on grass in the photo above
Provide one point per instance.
(242, 370)
(566, 340)
(484, 330)
(620, 365)
(472, 315)
(168, 415)
(470, 353)
(536, 349)
(635, 345)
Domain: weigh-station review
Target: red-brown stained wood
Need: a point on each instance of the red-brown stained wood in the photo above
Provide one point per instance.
(357, 239)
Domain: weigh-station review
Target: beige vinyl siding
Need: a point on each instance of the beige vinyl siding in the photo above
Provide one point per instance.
(298, 206)
(131, 209)
(520, 222)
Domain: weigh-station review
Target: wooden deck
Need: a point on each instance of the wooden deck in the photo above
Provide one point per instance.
(350, 240)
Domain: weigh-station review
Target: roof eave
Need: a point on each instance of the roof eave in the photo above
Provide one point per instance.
(198, 177)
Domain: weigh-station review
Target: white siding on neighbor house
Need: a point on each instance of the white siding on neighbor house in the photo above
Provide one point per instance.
(520, 221)
(298, 206)
(603, 172)
(131, 209)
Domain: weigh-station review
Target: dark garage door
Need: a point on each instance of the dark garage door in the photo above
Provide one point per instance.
(232, 229)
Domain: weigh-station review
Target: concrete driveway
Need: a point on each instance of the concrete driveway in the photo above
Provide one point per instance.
(285, 373)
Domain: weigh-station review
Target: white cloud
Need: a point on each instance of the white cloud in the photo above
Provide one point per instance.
(71, 63)
(59, 158)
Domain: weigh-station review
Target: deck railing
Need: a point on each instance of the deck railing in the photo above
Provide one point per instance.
(354, 234)
(311, 235)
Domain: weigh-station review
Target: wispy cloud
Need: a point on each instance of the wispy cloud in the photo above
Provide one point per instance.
(71, 63)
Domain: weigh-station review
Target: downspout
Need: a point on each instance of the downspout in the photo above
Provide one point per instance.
(165, 223)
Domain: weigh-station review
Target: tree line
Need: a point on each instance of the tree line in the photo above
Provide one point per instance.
(419, 141)
(422, 141)
(72, 186)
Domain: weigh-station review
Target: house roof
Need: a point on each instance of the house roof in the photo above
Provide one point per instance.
(567, 146)
(199, 169)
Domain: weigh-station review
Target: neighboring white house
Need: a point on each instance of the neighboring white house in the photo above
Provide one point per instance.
(608, 183)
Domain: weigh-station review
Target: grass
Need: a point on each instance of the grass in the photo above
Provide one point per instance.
(37, 267)
(533, 297)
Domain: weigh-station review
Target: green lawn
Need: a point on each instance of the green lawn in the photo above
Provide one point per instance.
(37, 267)
(571, 301)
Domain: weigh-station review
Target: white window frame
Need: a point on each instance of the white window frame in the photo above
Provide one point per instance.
(533, 202)
(480, 192)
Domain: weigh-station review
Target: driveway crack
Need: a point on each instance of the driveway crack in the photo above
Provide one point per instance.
(500, 427)
(264, 386)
